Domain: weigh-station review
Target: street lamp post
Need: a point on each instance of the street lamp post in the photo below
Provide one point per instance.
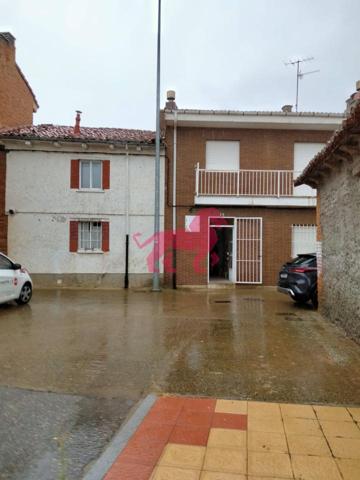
(156, 266)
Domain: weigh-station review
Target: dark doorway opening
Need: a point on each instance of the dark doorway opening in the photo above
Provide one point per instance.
(220, 256)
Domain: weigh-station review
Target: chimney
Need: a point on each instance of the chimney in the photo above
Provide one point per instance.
(7, 48)
(354, 100)
(287, 108)
(77, 122)
(170, 103)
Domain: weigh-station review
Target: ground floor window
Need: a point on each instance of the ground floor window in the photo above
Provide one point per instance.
(90, 235)
(303, 239)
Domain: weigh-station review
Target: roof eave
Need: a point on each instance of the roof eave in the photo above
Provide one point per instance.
(77, 141)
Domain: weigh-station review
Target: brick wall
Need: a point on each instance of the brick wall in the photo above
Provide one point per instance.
(276, 241)
(259, 149)
(3, 217)
(16, 100)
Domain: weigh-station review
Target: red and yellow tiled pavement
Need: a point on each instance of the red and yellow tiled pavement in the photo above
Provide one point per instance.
(207, 439)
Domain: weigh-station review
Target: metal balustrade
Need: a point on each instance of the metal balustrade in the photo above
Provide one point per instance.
(266, 183)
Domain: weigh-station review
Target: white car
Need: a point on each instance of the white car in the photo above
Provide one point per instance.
(15, 282)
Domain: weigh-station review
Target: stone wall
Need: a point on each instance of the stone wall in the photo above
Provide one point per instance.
(340, 221)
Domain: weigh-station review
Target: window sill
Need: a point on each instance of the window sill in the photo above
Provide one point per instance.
(91, 252)
(90, 190)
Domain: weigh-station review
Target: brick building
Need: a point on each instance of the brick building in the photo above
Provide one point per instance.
(237, 168)
(17, 105)
(335, 172)
(17, 100)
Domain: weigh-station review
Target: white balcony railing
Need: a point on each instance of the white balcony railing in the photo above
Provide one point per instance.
(255, 183)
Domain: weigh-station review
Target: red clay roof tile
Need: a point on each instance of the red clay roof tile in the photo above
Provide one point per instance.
(87, 134)
(349, 126)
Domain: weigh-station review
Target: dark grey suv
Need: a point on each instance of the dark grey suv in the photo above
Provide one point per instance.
(298, 278)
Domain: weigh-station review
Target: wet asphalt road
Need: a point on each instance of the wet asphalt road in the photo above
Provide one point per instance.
(73, 364)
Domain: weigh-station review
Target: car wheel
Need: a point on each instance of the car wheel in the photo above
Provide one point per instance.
(25, 294)
(299, 301)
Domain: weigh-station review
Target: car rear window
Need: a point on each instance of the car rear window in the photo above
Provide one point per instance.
(304, 261)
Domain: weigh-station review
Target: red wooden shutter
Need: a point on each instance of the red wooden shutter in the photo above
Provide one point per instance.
(105, 236)
(106, 174)
(74, 236)
(75, 174)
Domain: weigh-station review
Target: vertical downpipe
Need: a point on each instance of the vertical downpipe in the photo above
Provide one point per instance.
(126, 280)
(156, 266)
(174, 202)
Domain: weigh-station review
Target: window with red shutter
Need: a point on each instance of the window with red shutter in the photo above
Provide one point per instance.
(74, 173)
(106, 174)
(105, 236)
(74, 236)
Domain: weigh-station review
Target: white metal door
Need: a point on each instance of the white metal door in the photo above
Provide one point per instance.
(249, 250)
(303, 239)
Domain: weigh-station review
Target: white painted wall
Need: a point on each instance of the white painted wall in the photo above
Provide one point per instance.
(38, 189)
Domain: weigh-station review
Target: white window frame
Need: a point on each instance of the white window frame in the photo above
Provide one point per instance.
(89, 250)
(96, 189)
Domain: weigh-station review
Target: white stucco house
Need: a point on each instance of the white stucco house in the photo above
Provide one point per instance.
(74, 198)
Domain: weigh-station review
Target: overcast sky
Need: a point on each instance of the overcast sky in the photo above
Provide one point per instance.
(100, 56)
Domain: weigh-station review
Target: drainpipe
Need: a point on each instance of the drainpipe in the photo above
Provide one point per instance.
(174, 202)
(156, 276)
(127, 192)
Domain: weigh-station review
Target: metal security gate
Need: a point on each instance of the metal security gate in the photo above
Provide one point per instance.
(249, 250)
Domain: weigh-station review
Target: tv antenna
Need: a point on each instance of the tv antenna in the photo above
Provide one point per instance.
(300, 74)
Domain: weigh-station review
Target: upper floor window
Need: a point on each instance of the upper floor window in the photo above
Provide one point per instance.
(303, 154)
(222, 155)
(90, 174)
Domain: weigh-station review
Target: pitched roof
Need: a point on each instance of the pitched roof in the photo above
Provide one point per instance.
(350, 126)
(87, 134)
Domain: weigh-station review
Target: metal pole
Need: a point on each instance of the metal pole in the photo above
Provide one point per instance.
(126, 279)
(297, 84)
(174, 201)
(156, 276)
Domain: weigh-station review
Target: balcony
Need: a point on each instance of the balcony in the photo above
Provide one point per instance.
(251, 187)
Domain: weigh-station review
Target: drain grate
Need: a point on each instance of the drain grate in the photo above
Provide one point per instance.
(222, 301)
(252, 299)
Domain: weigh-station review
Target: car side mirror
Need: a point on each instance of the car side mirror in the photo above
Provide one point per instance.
(16, 266)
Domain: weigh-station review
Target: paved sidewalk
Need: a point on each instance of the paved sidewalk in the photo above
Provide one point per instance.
(207, 439)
